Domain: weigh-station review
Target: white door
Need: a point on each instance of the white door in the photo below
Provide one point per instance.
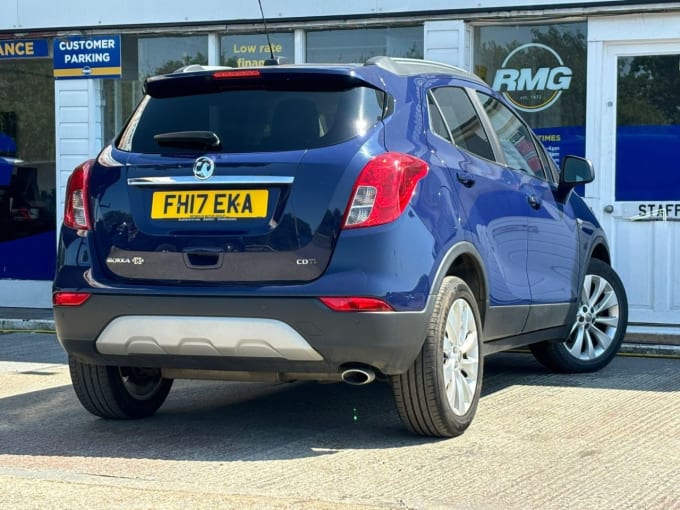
(639, 168)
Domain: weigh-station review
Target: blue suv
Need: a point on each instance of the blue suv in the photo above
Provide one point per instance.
(395, 221)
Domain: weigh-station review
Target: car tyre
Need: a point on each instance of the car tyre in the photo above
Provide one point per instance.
(598, 328)
(119, 392)
(438, 394)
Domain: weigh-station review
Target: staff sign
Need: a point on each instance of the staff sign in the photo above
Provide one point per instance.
(87, 57)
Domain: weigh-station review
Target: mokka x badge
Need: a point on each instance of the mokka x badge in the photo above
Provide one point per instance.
(137, 261)
(204, 167)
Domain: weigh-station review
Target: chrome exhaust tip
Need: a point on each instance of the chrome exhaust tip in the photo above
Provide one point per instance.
(358, 376)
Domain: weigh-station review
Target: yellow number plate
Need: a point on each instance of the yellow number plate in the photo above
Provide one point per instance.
(213, 204)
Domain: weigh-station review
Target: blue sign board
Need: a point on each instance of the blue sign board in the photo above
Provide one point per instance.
(644, 168)
(24, 48)
(87, 57)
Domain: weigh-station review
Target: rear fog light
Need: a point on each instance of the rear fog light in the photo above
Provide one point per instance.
(70, 298)
(356, 304)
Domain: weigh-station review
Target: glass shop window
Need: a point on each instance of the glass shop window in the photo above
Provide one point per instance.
(541, 71)
(252, 50)
(27, 170)
(144, 56)
(360, 44)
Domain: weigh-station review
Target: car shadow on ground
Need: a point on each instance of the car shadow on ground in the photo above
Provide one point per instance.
(226, 421)
(635, 373)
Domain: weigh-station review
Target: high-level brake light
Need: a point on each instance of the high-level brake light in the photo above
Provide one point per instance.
(248, 73)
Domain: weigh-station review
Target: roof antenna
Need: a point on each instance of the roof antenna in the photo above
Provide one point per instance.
(273, 61)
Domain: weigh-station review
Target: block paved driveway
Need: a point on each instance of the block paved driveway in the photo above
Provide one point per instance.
(539, 440)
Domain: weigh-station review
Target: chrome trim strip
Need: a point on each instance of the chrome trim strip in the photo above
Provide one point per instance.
(204, 336)
(231, 180)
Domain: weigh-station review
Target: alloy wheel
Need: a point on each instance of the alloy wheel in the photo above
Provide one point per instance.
(460, 357)
(597, 319)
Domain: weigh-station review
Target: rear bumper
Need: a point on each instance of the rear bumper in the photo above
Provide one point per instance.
(237, 333)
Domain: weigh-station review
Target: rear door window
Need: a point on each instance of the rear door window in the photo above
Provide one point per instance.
(462, 121)
(256, 120)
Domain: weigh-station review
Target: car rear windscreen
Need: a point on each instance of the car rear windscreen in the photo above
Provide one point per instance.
(254, 120)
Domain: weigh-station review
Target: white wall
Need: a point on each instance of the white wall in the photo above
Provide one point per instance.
(448, 42)
(38, 14)
(78, 128)
(649, 26)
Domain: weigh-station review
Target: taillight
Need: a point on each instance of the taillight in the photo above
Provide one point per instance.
(76, 210)
(70, 298)
(384, 189)
(356, 304)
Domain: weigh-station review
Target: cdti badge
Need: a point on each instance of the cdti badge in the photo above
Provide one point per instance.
(532, 77)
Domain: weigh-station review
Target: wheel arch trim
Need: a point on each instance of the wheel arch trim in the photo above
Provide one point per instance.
(598, 249)
(456, 262)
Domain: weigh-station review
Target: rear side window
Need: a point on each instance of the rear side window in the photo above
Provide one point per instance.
(515, 138)
(255, 120)
(461, 118)
(437, 124)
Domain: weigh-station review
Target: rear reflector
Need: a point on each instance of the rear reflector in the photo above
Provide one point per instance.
(251, 73)
(384, 189)
(70, 298)
(356, 304)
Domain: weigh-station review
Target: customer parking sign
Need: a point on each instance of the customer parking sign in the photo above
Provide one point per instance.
(87, 57)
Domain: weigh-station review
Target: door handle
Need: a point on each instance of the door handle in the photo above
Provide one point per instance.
(465, 179)
(534, 201)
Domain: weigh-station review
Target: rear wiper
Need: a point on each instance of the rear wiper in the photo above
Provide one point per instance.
(189, 140)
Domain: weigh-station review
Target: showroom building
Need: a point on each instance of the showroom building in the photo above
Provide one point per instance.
(599, 79)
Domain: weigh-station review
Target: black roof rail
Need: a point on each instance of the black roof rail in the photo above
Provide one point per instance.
(383, 62)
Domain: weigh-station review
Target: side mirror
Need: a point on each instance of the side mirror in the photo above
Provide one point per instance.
(575, 171)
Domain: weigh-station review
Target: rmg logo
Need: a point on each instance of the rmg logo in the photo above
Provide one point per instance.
(557, 78)
(534, 88)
